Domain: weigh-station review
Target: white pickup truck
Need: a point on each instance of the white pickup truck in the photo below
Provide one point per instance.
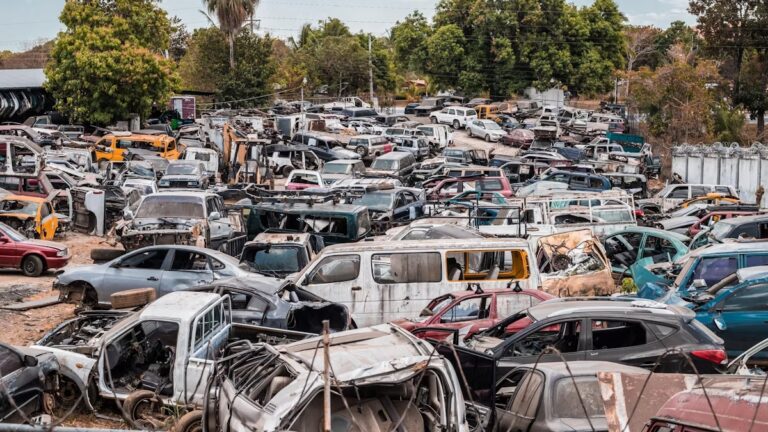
(161, 355)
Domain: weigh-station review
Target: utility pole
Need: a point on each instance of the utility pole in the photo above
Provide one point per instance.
(370, 69)
(326, 378)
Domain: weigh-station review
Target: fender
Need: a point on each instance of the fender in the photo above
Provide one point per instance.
(73, 366)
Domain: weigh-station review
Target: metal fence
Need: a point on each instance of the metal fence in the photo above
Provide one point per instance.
(746, 168)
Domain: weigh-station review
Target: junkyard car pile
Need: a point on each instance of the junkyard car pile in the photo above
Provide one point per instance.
(463, 290)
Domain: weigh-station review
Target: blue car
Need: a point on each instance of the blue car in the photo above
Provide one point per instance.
(736, 309)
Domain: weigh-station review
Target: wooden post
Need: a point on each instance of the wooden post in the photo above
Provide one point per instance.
(326, 378)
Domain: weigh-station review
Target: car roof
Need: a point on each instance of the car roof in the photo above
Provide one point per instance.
(745, 219)
(586, 368)
(497, 291)
(395, 155)
(731, 247)
(460, 244)
(14, 197)
(178, 306)
(343, 162)
(655, 231)
(201, 194)
(590, 306)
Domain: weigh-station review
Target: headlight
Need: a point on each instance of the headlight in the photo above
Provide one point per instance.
(62, 253)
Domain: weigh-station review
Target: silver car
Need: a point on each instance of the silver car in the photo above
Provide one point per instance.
(164, 268)
(488, 130)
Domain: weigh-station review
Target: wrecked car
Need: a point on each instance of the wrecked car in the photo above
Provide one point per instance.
(165, 268)
(674, 194)
(182, 218)
(626, 247)
(35, 217)
(634, 333)
(159, 356)
(278, 305)
(185, 175)
(31, 378)
(280, 254)
(95, 210)
(388, 377)
(389, 205)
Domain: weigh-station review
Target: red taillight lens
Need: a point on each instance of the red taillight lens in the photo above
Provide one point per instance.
(639, 213)
(714, 356)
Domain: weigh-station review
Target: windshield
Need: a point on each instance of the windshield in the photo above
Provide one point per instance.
(205, 157)
(15, 206)
(162, 206)
(492, 126)
(331, 168)
(721, 230)
(454, 153)
(12, 233)
(277, 259)
(376, 201)
(385, 164)
(181, 169)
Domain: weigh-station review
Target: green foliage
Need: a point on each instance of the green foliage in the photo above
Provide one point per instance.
(206, 60)
(445, 55)
(728, 124)
(409, 40)
(107, 62)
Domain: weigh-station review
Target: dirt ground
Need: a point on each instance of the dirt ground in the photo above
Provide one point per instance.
(24, 328)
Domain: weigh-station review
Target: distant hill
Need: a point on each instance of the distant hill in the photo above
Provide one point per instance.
(35, 58)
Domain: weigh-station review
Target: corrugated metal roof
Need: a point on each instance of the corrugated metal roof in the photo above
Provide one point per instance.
(21, 78)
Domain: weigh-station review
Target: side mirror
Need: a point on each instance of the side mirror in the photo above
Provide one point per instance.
(30, 361)
(127, 214)
(426, 312)
(304, 282)
(699, 283)
(4, 240)
(214, 216)
(719, 323)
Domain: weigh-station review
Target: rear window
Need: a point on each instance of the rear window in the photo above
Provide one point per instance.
(471, 113)
(567, 403)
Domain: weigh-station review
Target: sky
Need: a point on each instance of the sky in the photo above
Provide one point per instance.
(28, 22)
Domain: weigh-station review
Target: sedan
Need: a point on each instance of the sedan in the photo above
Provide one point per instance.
(165, 268)
(184, 174)
(33, 257)
(477, 310)
(488, 130)
(521, 138)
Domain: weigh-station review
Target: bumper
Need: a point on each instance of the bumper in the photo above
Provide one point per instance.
(57, 262)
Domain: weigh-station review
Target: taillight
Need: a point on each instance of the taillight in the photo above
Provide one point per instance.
(639, 213)
(714, 356)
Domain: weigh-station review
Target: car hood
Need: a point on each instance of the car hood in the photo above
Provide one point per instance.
(45, 243)
(345, 154)
(678, 222)
(147, 224)
(177, 177)
(22, 216)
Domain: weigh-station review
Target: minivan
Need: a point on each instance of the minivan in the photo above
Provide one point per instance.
(383, 281)
(466, 155)
(397, 164)
(419, 147)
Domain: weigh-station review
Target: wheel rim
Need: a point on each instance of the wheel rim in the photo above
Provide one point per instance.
(360, 151)
(142, 414)
(29, 266)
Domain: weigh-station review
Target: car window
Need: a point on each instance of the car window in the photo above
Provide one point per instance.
(45, 210)
(406, 267)
(564, 336)
(697, 191)
(753, 298)
(189, 261)
(723, 190)
(568, 405)
(150, 260)
(714, 269)
(339, 268)
(757, 260)
(610, 334)
(510, 304)
(525, 402)
(468, 310)
(679, 192)
(10, 362)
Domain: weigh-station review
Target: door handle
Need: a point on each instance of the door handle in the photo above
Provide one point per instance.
(356, 288)
(153, 279)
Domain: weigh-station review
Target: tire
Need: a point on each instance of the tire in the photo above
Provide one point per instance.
(433, 120)
(456, 124)
(286, 171)
(487, 138)
(32, 266)
(469, 132)
(189, 422)
(92, 222)
(138, 403)
(103, 255)
(361, 150)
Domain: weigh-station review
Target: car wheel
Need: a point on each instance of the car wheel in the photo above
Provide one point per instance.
(189, 422)
(286, 171)
(362, 151)
(456, 124)
(32, 266)
(487, 138)
(469, 132)
(433, 120)
(140, 407)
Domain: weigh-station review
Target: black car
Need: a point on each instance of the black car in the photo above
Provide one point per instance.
(392, 206)
(410, 109)
(29, 375)
(290, 308)
(627, 331)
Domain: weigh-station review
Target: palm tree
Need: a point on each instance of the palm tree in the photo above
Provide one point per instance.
(231, 15)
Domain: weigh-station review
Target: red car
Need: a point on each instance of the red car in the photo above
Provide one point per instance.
(33, 257)
(481, 310)
(521, 138)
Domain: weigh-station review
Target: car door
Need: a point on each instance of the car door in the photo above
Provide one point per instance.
(22, 383)
(48, 221)
(740, 318)
(624, 341)
(188, 269)
(141, 269)
(517, 399)
(525, 347)
(473, 311)
(336, 279)
(220, 228)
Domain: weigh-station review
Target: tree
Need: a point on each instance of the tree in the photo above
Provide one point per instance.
(445, 54)
(107, 63)
(248, 82)
(409, 41)
(179, 42)
(205, 61)
(641, 43)
(231, 15)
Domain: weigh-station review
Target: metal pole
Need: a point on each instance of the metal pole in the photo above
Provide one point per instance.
(326, 378)
(370, 69)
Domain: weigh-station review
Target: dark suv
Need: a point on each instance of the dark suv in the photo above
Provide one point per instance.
(627, 331)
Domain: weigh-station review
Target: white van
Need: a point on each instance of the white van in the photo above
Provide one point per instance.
(383, 281)
(439, 136)
(208, 157)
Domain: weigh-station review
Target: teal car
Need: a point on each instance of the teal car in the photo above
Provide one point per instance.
(736, 309)
(474, 196)
(649, 245)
